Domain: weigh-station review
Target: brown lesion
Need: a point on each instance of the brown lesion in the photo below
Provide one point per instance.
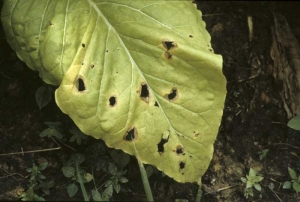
(179, 150)
(173, 95)
(168, 44)
(144, 92)
(131, 134)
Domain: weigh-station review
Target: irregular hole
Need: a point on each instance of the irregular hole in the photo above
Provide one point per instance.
(144, 93)
(156, 104)
(80, 85)
(181, 165)
(164, 140)
(169, 44)
(179, 150)
(131, 134)
(83, 45)
(168, 55)
(112, 101)
(173, 95)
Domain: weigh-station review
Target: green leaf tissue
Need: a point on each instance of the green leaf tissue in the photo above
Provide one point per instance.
(141, 75)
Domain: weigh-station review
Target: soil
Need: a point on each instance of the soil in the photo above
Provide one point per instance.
(254, 120)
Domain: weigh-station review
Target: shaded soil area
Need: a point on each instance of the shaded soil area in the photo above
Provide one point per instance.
(254, 120)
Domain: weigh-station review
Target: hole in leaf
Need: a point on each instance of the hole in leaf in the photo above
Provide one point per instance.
(80, 85)
(179, 150)
(156, 104)
(168, 55)
(144, 92)
(168, 44)
(164, 140)
(181, 165)
(112, 101)
(131, 134)
(83, 45)
(173, 95)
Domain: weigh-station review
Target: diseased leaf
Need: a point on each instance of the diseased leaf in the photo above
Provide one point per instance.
(129, 71)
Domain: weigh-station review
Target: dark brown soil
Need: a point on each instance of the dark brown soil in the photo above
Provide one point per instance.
(254, 119)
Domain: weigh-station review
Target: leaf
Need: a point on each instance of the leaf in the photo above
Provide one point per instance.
(77, 135)
(287, 185)
(96, 195)
(257, 187)
(68, 171)
(121, 158)
(72, 189)
(112, 169)
(129, 72)
(296, 186)
(54, 124)
(43, 165)
(149, 170)
(249, 184)
(43, 96)
(107, 193)
(294, 123)
(123, 180)
(51, 132)
(252, 172)
(244, 179)
(292, 173)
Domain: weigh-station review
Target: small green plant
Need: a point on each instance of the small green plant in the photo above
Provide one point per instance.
(78, 136)
(294, 182)
(53, 130)
(251, 180)
(36, 182)
(72, 170)
(263, 154)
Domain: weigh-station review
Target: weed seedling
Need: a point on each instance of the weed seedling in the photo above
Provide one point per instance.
(251, 180)
(294, 182)
(36, 181)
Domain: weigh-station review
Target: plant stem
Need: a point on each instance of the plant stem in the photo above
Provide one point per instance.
(146, 184)
(85, 196)
(144, 176)
(199, 193)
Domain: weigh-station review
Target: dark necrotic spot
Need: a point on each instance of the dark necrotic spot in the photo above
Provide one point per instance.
(92, 66)
(191, 36)
(168, 44)
(156, 104)
(181, 165)
(168, 55)
(83, 45)
(80, 85)
(160, 145)
(130, 135)
(144, 91)
(173, 94)
(179, 150)
(112, 101)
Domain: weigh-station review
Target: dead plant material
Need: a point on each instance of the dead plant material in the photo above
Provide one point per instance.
(285, 52)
